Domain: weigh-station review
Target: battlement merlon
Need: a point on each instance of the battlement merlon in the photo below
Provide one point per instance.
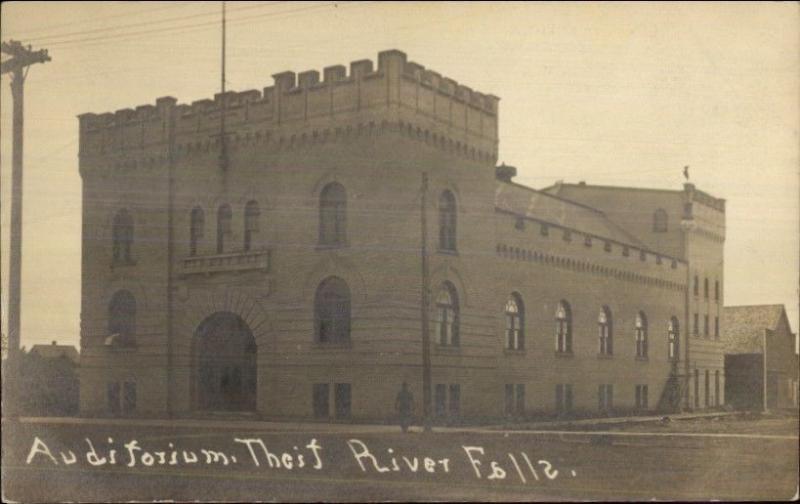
(295, 100)
(696, 195)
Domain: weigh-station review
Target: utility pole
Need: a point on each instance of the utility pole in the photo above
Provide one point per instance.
(425, 309)
(21, 58)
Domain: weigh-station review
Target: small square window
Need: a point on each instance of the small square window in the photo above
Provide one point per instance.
(626, 251)
(607, 246)
(544, 230)
(587, 241)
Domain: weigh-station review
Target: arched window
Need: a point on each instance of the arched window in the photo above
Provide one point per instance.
(333, 215)
(660, 221)
(224, 216)
(605, 331)
(251, 214)
(673, 337)
(196, 229)
(332, 311)
(447, 221)
(641, 335)
(122, 319)
(122, 234)
(447, 315)
(515, 323)
(563, 328)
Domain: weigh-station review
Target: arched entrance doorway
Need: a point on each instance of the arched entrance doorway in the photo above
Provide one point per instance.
(224, 364)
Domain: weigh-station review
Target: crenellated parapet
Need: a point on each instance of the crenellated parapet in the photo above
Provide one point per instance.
(400, 95)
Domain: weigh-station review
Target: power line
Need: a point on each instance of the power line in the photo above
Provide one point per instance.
(183, 27)
(94, 19)
(146, 23)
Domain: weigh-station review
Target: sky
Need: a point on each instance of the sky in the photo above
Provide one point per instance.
(613, 94)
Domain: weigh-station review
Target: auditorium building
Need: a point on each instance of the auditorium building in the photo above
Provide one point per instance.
(268, 253)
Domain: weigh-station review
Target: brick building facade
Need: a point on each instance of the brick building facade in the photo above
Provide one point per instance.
(279, 272)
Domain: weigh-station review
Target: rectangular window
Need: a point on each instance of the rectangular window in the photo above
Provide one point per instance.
(705, 325)
(515, 399)
(696, 285)
(559, 398)
(129, 397)
(342, 400)
(113, 398)
(509, 402)
(607, 246)
(320, 400)
(544, 230)
(716, 387)
(563, 398)
(455, 399)
(696, 388)
(716, 327)
(706, 390)
(568, 397)
(705, 288)
(605, 397)
(601, 397)
(641, 397)
(567, 235)
(696, 325)
(716, 290)
(440, 399)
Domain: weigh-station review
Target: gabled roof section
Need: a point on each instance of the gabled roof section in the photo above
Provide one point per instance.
(565, 189)
(744, 326)
(528, 202)
(55, 351)
(558, 187)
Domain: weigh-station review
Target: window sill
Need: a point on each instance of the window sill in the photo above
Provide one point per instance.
(564, 355)
(331, 246)
(447, 349)
(333, 345)
(447, 252)
(514, 351)
(605, 356)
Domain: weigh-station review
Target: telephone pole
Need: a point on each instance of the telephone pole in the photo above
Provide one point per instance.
(22, 57)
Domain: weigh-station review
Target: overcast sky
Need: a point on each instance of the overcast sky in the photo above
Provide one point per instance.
(623, 94)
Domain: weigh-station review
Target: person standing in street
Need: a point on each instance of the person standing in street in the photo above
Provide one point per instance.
(404, 404)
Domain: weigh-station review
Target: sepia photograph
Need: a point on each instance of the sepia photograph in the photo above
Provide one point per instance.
(363, 251)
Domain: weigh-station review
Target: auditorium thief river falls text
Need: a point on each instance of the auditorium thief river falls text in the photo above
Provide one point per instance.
(312, 456)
